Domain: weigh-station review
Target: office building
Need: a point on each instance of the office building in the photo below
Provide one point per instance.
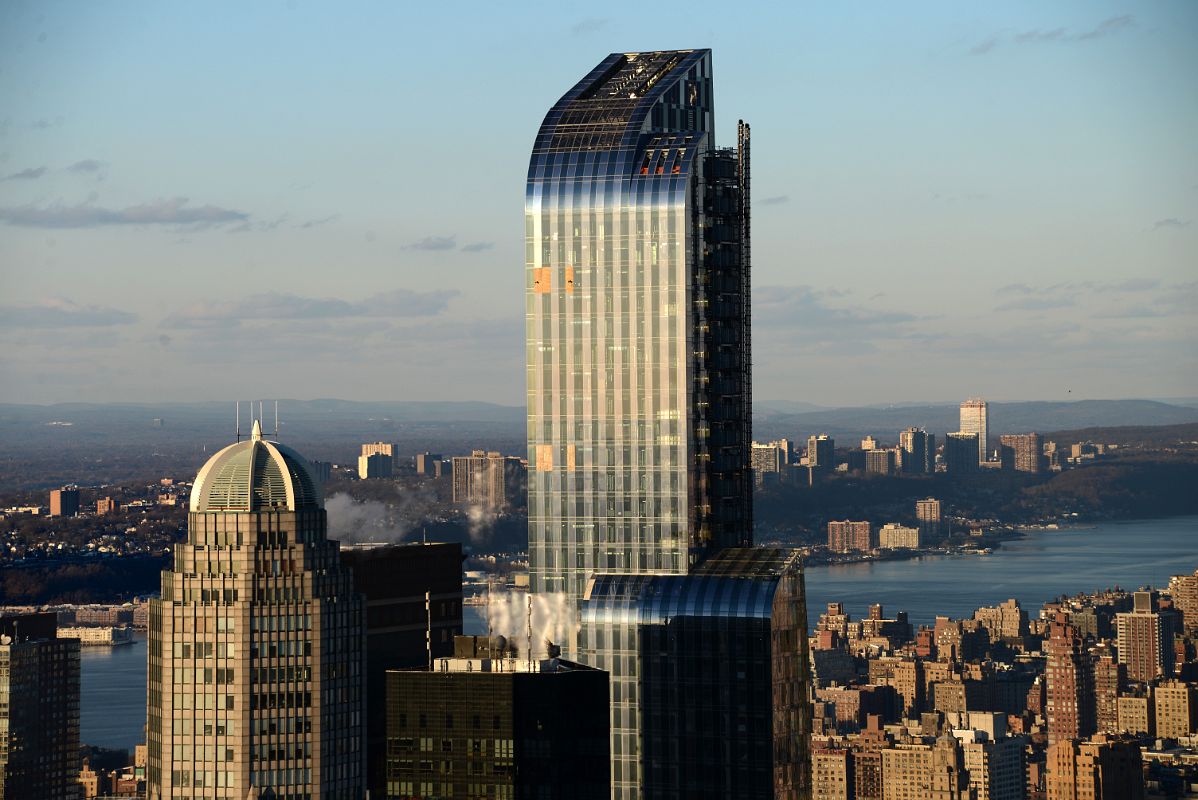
(928, 516)
(377, 460)
(845, 536)
(380, 448)
(715, 703)
(637, 309)
(39, 710)
(255, 646)
(1145, 639)
(375, 466)
(880, 462)
(917, 451)
(413, 595)
(960, 453)
(491, 723)
(821, 452)
(1176, 709)
(64, 502)
(975, 418)
(1022, 452)
(1069, 677)
(487, 479)
(894, 537)
(426, 463)
(1100, 768)
(107, 505)
(321, 470)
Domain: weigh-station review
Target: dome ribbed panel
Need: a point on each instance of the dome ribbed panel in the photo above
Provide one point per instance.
(269, 486)
(231, 485)
(301, 483)
(256, 475)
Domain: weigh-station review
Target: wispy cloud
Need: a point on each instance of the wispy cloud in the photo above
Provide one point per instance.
(32, 173)
(813, 316)
(172, 211)
(86, 165)
(589, 25)
(477, 247)
(433, 243)
(59, 312)
(1108, 27)
(776, 200)
(984, 46)
(283, 306)
(1130, 298)
(1036, 303)
(1172, 223)
(314, 223)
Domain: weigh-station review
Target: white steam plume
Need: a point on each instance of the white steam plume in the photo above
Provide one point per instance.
(354, 521)
(480, 520)
(552, 619)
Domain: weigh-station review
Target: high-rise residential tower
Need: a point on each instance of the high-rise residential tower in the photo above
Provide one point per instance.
(960, 453)
(975, 418)
(255, 647)
(1145, 639)
(1070, 678)
(918, 451)
(821, 452)
(637, 314)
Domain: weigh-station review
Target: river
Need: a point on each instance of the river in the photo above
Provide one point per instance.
(1042, 565)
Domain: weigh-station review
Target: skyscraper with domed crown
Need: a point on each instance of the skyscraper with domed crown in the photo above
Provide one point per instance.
(255, 647)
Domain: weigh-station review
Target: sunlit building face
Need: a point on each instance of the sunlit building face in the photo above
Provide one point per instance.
(636, 289)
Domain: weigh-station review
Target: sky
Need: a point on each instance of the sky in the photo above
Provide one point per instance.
(204, 201)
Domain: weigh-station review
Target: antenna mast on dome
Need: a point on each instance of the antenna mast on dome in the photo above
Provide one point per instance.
(276, 419)
(237, 423)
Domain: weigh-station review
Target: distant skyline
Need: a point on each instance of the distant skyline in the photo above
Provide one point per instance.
(314, 200)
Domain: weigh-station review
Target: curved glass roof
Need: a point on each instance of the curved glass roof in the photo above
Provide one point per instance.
(735, 582)
(256, 475)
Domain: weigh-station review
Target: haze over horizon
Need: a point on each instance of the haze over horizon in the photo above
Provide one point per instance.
(202, 202)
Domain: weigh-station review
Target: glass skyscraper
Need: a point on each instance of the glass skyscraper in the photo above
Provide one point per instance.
(637, 314)
(639, 435)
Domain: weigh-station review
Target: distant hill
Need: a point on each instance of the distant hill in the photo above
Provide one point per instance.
(885, 423)
(92, 443)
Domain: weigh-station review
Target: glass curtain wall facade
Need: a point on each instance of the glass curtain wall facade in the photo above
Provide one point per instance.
(710, 677)
(637, 314)
(255, 684)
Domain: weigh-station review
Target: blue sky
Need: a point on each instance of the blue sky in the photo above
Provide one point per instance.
(297, 199)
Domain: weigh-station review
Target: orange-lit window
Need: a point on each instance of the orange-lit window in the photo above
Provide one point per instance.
(544, 458)
(569, 280)
(541, 281)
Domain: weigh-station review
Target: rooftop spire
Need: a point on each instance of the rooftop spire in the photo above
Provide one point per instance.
(256, 434)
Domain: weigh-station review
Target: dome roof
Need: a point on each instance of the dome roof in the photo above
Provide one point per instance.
(256, 475)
